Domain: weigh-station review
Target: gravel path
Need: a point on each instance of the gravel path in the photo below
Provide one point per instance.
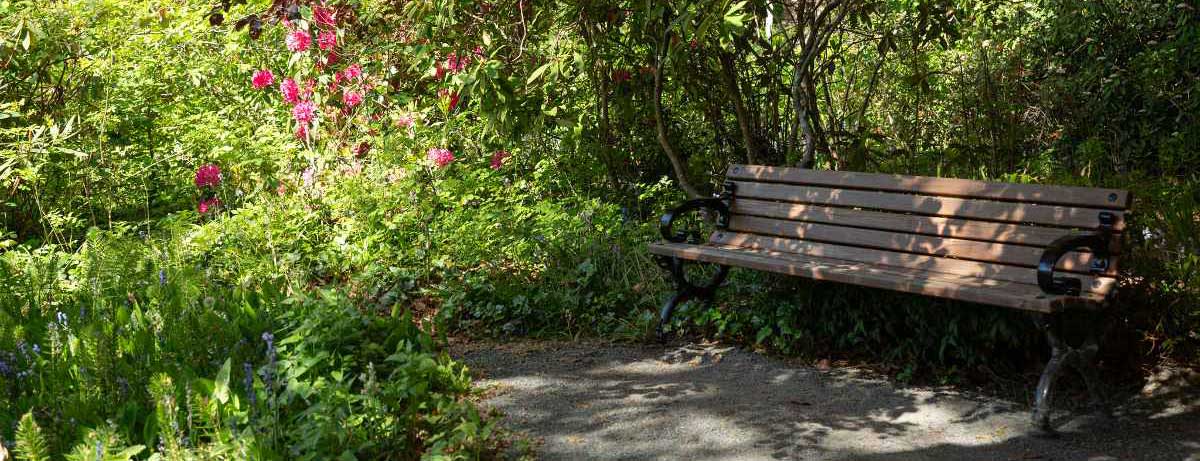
(589, 400)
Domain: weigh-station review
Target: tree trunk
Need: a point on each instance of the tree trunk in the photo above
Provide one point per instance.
(729, 79)
(660, 125)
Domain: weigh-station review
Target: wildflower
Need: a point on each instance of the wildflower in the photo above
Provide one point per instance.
(37, 349)
(297, 41)
(498, 159)
(62, 318)
(249, 383)
(208, 176)
(439, 156)
(478, 51)
(262, 79)
(304, 112)
(270, 340)
(405, 121)
(301, 132)
(290, 91)
(331, 58)
(162, 277)
(209, 204)
(351, 98)
(327, 40)
(325, 16)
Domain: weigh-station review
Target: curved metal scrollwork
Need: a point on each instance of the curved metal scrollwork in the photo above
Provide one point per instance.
(1097, 242)
(693, 232)
(666, 225)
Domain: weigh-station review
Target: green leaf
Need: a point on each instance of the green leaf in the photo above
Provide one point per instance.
(221, 391)
(538, 72)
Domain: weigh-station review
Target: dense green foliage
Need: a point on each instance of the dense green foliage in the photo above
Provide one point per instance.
(194, 267)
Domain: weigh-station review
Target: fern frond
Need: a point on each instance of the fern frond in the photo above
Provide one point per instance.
(31, 444)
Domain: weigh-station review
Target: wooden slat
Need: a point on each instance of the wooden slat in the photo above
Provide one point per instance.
(1026, 275)
(1016, 255)
(1113, 199)
(913, 224)
(1084, 218)
(984, 291)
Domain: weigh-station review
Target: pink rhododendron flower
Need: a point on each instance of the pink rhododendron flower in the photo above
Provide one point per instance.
(297, 41)
(478, 51)
(353, 72)
(304, 112)
(290, 91)
(327, 40)
(262, 79)
(351, 98)
(331, 58)
(498, 159)
(208, 176)
(440, 157)
(209, 204)
(325, 16)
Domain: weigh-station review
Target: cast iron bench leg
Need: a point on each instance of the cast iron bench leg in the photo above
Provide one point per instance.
(685, 291)
(678, 298)
(1081, 358)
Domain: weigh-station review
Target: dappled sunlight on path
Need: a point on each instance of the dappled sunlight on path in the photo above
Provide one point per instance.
(712, 402)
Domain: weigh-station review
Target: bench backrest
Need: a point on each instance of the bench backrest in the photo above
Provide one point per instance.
(956, 226)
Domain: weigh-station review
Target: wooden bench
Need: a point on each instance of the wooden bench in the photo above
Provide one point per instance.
(1042, 249)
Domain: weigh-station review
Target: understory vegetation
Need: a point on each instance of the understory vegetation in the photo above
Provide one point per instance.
(244, 229)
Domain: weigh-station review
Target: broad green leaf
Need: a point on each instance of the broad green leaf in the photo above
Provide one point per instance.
(221, 391)
(537, 73)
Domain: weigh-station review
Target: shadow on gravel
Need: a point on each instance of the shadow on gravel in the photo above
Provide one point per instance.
(707, 402)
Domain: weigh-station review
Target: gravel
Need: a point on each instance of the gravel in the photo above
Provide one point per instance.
(601, 401)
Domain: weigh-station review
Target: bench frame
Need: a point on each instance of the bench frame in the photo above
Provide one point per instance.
(1080, 356)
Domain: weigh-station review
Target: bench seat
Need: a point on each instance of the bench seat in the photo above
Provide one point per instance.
(980, 289)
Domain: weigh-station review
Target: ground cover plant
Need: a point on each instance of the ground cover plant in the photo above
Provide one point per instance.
(242, 229)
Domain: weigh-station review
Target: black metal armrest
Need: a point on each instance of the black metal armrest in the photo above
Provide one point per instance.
(1096, 242)
(721, 204)
(668, 220)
